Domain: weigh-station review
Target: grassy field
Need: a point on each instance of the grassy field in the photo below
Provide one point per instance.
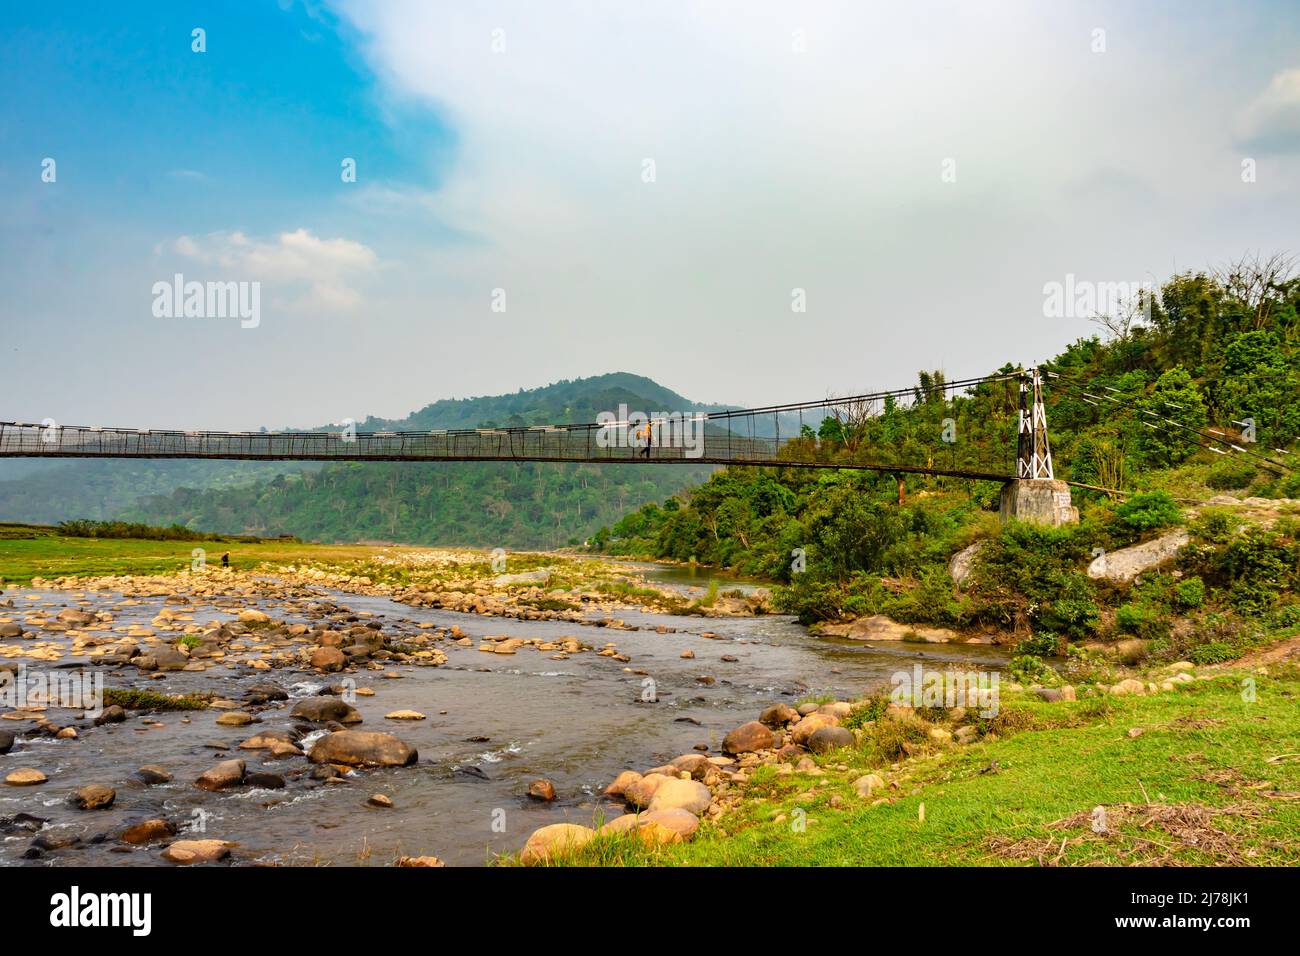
(28, 551)
(1198, 785)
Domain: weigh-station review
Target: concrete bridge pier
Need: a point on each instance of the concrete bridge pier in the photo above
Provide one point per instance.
(1040, 500)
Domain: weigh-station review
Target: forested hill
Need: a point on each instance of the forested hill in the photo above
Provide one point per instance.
(526, 505)
(571, 401)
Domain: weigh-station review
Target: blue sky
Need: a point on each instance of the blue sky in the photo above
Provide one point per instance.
(503, 145)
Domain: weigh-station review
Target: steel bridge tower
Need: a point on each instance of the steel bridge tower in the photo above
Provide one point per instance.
(1035, 495)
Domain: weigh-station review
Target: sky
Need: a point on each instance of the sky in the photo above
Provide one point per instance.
(749, 202)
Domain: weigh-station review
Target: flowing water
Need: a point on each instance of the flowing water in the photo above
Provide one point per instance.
(494, 723)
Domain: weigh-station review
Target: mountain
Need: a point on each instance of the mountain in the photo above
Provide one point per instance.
(518, 505)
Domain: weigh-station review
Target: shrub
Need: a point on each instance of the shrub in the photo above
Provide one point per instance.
(1212, 652)
(1041, 644)
(1149, 510)
(1230, 474)
(1140, 619)
(1028, 669)
(1255, 566)
(1215, 525)
(1189, 593)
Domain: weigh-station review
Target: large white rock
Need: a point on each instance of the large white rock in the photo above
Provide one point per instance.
(1127, 563)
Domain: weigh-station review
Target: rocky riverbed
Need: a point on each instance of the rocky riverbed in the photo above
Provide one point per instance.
(332, 721)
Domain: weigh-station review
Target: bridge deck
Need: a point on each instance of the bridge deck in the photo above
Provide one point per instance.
(773, 435)
(572, 443)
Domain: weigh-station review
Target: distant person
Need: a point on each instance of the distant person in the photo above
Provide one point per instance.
(646, 434)
(225, 559)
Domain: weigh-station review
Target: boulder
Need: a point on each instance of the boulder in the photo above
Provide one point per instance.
(867, 784)
(151, 774)
(25, 777)
(227, 774)
(963, 562)
(186, 852)
(6, 741)
(252, 616)
(542, 790)
(641, 792)
(621, 783)
(112, 714)
(697, 765)
(810, 725)
(1125, 564)
(147, 832)
(1129, 686)
(404, 715)
(672, 825)
(778, 715)
(264, 781)
(419, 861)
(359, 748)
(689, 795)
(556, 838)
(748, 738)
(327, 658)
(623, 824)
(321, 709)
(235, 718)
(93, 796)
(825, 739)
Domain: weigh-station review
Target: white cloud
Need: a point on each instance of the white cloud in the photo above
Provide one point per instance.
(1271, 123)
(779, 169)
(313, 273)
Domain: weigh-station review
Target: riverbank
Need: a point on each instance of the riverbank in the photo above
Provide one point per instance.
(1203, 773)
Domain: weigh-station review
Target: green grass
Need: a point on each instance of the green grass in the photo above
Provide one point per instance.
(30, 551)
(1202, 749)
(151, 700)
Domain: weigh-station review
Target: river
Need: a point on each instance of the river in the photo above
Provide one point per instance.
(494, 723)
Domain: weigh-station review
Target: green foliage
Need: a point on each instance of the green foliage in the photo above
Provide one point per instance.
(1213, 652)
(1139, 619)
(1189, 593)
(152, 700)
(1028, 670)
(1253, 568)
(1041, 644)
(1215, 525)
(1149, 510)
(83, 528)
(1230, 474)
(1174, 390)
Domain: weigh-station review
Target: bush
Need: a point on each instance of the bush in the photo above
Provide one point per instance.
(1149, 510)
(1140, 619)
(1213, 652)
(1230, 474)
(1041, 644)
(1215, 525)
(1254, 567)
(1189, 593)
(1028, 670)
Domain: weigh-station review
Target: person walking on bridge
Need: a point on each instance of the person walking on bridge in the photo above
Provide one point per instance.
(646, 434)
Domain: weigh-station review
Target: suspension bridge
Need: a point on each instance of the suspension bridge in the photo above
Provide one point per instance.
(843, 432)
